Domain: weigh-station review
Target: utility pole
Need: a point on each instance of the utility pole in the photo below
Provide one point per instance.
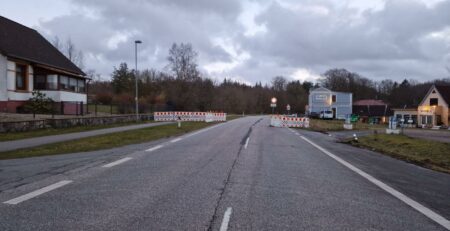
(136, 99)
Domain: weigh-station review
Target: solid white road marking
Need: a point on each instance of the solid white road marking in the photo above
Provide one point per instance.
(422, 209)
(226, 219)
(246, 142)
(117, 162)
(175, 140)
(154, 148)
(38, 192)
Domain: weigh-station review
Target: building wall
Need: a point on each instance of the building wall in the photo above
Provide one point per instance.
(66, 96)
(406, 115)
(3, 79)
(442, 109)
(11, 76)
(321, 100)
(343, 104)
(10, 99)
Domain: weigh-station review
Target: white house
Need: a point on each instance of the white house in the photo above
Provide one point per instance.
(432, 111)
(323, 99)
(29, 62)
(434, 108)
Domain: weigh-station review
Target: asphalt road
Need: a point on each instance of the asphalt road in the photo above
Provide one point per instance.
(33, 142)
(239, 175)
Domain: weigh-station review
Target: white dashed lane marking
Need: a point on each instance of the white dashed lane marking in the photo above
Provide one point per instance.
(154, 148)
(38, 192)
(226, 219)
(117, 162)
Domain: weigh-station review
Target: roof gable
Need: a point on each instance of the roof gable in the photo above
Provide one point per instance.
(444, 91)
(322, 89)
(21, 42)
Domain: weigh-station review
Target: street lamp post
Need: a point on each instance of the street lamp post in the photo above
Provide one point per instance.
(136, 99)
(273, 104)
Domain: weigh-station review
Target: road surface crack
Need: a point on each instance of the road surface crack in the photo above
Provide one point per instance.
(227, 179)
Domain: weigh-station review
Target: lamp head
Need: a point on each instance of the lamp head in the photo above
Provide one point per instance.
(273, 100)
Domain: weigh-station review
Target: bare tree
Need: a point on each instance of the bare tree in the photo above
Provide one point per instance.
(70, 51)
(57, 43)
(183, 61)
(279, 83)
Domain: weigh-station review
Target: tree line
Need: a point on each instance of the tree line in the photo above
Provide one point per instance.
(181, 86)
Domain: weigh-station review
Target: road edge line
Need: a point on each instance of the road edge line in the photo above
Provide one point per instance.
(402, 197)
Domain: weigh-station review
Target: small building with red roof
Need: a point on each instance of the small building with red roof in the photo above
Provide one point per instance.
(372, 110)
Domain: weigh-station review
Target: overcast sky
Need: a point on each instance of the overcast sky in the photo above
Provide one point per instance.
(254, 40)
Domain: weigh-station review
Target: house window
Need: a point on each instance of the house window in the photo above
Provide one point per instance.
(433, 101)
(40, 82)
(414, 119)
(81, 86)
(46, 82)
(21, 77)
(63, 82)
(333, 98)
(52, 82)
(72, 84)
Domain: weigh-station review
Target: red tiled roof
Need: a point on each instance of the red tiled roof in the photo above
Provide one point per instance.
(371, 102)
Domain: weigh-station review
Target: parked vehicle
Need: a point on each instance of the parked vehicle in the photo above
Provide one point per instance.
(326, 115)
(313, 115)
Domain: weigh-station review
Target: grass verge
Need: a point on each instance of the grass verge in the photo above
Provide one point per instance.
(234, 116)
(8, 136)
(429, 154)
(338, 125)
(106, 141)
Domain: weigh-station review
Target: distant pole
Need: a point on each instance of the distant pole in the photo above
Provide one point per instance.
(136, 78)
(273, 104)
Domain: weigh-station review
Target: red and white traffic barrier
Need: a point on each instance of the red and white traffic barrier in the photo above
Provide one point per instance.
(190, 116)
(289, 122)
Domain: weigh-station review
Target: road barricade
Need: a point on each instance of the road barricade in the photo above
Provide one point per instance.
(190, 116)
(163, 116)
(289, 122)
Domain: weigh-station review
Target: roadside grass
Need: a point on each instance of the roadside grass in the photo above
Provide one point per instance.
(106, 141)
(9, 136)
(338, 125)
(429, 154)
(234, 116)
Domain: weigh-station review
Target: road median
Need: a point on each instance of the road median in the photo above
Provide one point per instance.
(106, 141)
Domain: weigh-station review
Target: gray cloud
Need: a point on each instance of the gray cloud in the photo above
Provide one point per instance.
(400, 39)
